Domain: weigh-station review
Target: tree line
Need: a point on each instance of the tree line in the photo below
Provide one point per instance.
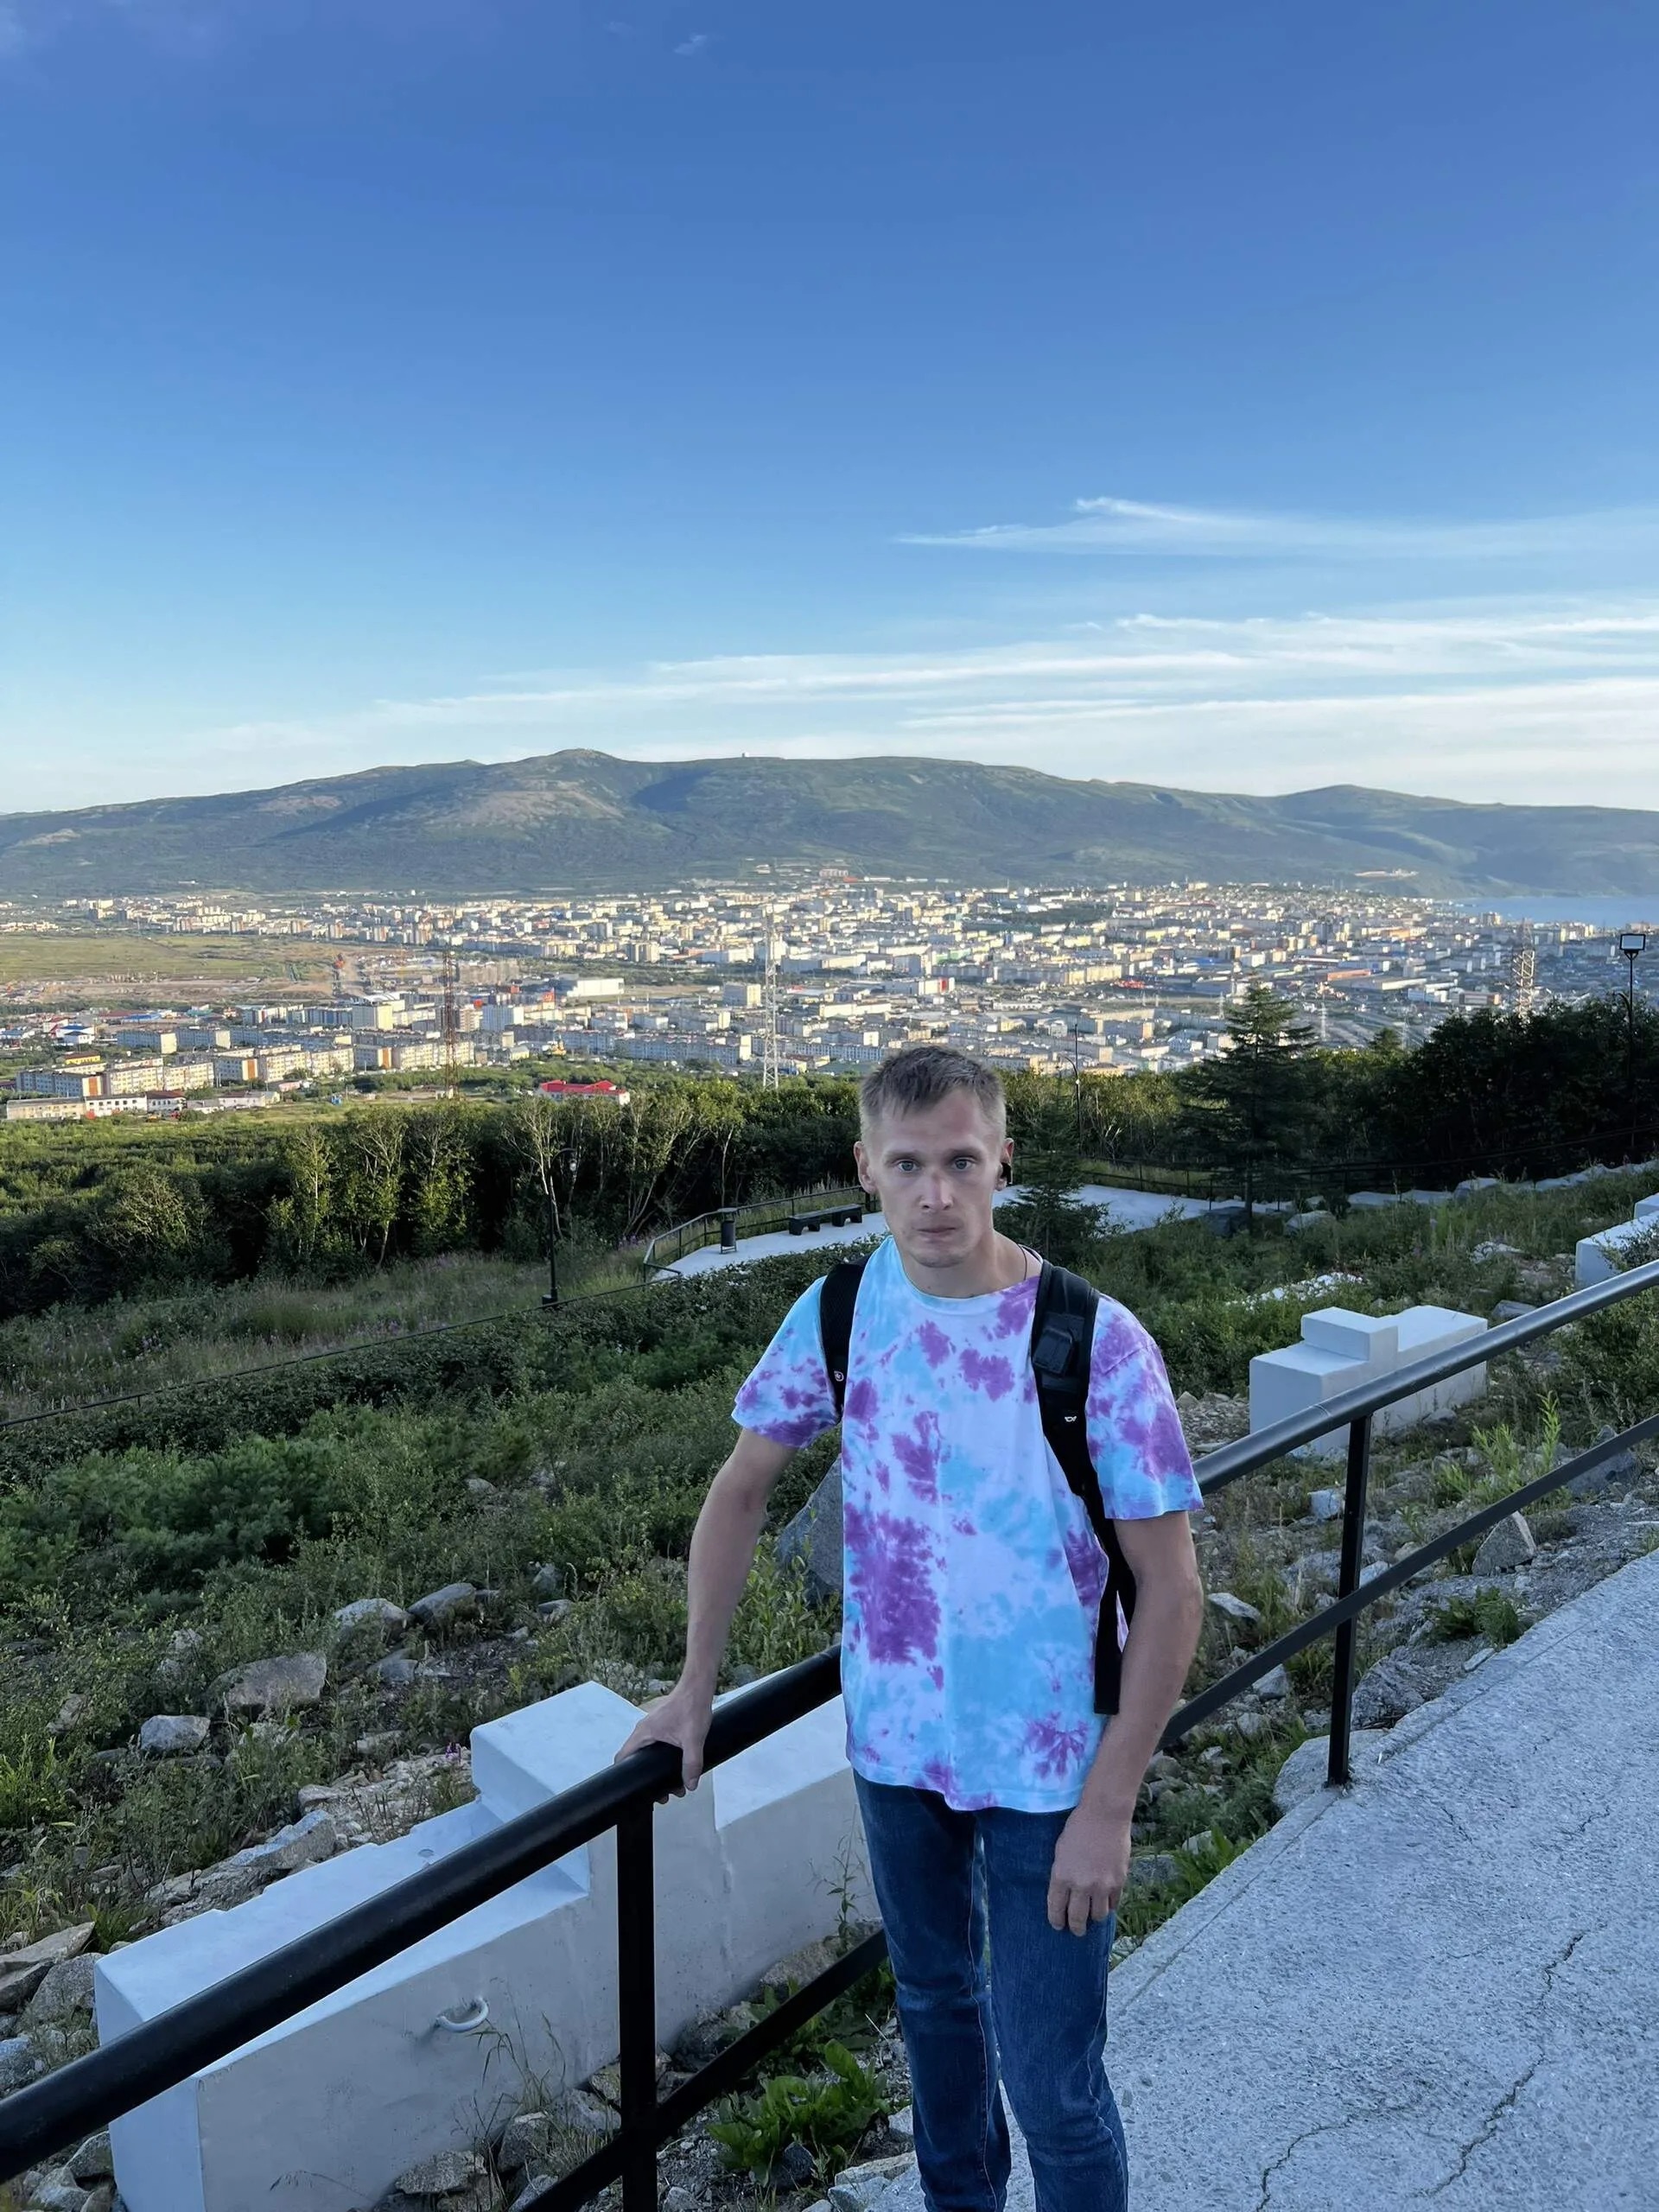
(96, 1210)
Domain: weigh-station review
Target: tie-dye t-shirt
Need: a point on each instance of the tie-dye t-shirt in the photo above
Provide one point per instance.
(972, 1580)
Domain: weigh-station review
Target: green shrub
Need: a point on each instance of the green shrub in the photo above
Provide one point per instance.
(829, 2115)
(1490, 1613)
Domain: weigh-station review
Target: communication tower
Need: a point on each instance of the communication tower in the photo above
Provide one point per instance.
(769, 1011)
(1523, 971)
(451, 1017)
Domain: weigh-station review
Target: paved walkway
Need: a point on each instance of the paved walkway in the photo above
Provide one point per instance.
(1125, 1210)
(1439, 1988)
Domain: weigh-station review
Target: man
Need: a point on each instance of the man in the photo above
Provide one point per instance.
(993, 1796)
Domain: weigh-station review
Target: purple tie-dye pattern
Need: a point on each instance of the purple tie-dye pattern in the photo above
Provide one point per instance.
(889, 1562)
(935, 1344)
(1086, 1564)
(918, 1455)
(993, 1377)
(1055, 1748)
(861, 1400)
(972, 1578)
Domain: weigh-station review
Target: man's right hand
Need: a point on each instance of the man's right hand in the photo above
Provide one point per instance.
(682, 1719)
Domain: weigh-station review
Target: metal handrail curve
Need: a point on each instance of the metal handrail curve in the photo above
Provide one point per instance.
(93, 2090)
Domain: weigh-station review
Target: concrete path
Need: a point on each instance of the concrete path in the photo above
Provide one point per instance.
(1438, 1988)
(1126, 1210)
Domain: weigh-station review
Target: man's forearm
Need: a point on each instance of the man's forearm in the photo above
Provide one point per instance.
(1162, 1638)
(722, 1552)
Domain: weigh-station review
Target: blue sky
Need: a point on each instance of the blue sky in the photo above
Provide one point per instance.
(1243, 398)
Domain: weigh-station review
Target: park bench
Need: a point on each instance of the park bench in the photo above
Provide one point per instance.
(826, 1217)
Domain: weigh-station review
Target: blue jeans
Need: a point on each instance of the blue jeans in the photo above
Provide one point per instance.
(1037, 2015)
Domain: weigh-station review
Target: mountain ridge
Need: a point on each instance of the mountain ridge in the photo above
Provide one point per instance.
(582, 820)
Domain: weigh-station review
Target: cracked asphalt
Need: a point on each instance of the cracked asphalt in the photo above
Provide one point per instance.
(1440, 1987)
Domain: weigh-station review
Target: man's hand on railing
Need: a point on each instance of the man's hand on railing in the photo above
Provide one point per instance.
(681, 1719)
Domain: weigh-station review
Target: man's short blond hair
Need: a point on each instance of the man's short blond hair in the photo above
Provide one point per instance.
(921, 1076)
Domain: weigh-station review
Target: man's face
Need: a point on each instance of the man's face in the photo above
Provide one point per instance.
(934, 1171)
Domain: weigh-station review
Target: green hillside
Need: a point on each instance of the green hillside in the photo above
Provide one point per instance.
(581, 819)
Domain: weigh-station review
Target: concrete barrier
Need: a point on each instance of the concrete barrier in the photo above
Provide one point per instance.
(1597, 1257)
(440, 2046)
(1340, 1350)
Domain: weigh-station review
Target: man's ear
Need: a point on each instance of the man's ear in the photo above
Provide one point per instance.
(1004, 1166)
(862, 1159)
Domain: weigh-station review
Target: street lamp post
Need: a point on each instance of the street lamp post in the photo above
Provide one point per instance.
(569, 1157)
(1630, 944)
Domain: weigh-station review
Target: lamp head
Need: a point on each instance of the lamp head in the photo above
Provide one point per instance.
(1631, 943)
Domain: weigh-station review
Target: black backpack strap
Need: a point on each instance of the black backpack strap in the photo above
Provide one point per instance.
(1062, 1342)
(835, 1302)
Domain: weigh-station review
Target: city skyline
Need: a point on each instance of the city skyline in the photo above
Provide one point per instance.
(1244, 406)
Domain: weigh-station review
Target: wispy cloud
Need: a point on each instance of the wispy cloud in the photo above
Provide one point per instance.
(1488, 701)
(1132, 526)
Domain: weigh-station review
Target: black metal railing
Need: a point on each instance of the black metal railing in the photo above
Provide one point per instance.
(64, 2107)
(755, 1217)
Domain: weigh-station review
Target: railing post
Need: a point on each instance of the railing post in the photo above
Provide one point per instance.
(1353, 1543)
(636, 2005)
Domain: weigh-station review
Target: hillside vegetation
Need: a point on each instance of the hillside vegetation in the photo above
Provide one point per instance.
(556, 1465)
(573, 819)
(93, 1211)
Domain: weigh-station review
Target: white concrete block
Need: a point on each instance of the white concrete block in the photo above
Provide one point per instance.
(1340, 1350)
(1598, 1257)
(326, 2110)
(1424, 1331)
(1374, 1338)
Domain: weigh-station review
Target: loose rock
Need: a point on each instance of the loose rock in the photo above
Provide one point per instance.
(19, 2062)
(274, 1684)
(166, 1734)
(66, 1989)
(442, 1608)
(1404, 1678)
(444, 2175)
(1326, 1504)
(1237, 1609)
(524, 2142)
(395, 1672)
(372, 1612)
(22, 1971)
(1153, 1867)
(811, 1542)
(1507, 1546)
(578, 2113)
(92, 2162)
(1275, 1683)
(306, 1843)
(1612, 1474)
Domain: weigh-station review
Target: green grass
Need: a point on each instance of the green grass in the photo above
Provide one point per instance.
(100, 956)
(72, 1353)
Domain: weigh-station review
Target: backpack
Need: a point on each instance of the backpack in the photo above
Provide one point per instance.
(1062, 1338)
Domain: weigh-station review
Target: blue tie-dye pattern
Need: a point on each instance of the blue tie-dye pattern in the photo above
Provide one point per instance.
(972, 1576)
